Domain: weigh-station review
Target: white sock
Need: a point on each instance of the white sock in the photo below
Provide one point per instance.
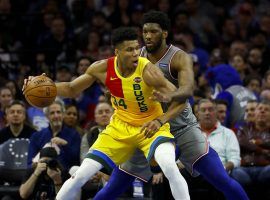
(165, 157)
(72, 186)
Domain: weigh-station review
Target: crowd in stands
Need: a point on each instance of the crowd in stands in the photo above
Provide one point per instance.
(229, 42)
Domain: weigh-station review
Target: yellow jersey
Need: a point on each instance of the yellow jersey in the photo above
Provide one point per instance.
(130, 95)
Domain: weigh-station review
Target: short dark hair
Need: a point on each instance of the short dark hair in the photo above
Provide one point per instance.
(221, 101)
(16, 102)
(122, 34)
(157, 17)
(48, 152)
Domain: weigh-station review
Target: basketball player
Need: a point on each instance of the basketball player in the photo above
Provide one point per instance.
(137, 121)
(195, 153)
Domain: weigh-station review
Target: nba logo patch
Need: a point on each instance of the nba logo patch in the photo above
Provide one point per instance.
(137, 79)
(163, 65)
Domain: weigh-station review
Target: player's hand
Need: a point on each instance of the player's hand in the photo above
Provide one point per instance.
(29, 79)
(158, 96)
(150, 128)
(59, 141)
(157, 178)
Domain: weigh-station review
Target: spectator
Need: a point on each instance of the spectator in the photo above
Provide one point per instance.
(16, 118)
(5, 99)
(250, 111)
(255, 61)
(104, 52)
(255, 150)
(16, 91)
(71, 118)
(81, 66)
(222, 107)
(229, 31)
(265, 94)
(266, 80)
(66, 140)
(121, 15)
(222, 140)
(87, 100)
(254, 84)
(58, 45)
(45, 178)
(238, 47)
(187, 37)
(63, 74)
(103, 113)
(249, 116)
(240, 64)
(227, 85)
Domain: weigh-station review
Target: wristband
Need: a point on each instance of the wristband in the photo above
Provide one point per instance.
(160, 122)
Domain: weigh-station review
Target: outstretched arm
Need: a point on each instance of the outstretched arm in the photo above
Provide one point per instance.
(70, 89)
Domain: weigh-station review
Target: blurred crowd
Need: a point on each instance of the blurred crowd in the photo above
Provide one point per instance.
(229, 42)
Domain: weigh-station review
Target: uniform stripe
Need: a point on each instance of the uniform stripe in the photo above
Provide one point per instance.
(102, 159)
(113, 82)
(159, 140)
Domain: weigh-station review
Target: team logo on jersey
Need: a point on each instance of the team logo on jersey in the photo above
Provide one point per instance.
(113, 78)
(163, 65)
(137, 79)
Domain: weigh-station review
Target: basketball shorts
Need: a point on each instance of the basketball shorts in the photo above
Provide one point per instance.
(192, 145)
(117, 143)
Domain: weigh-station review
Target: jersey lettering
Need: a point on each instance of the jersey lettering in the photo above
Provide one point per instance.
(121, 102)
(139, 97)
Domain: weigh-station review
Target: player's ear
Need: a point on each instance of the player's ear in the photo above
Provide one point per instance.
(116, 52)
(165, 34)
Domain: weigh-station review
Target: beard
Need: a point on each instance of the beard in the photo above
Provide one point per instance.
(57, 124)
(155, 47)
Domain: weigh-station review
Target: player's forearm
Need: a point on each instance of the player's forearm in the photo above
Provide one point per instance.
(173, 111)
(182, 94)
(64, 89)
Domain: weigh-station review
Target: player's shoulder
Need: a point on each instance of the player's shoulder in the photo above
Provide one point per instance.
(180, 58)
(100, 63)
(98, 66)
(143, 60)
(179, 54)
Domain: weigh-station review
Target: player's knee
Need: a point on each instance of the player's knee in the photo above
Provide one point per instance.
(79, 178)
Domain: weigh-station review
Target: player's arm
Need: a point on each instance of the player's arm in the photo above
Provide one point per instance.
(154, 77)
(182, 64)
(71, 89)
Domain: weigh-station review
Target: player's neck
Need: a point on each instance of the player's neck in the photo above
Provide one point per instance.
(124, 71)
(157, 55)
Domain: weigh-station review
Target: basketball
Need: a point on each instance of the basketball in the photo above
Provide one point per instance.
(40, 91)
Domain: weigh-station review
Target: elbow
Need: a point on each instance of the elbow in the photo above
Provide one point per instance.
(189, 94)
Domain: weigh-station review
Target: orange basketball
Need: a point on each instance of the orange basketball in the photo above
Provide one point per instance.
(40, 91)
